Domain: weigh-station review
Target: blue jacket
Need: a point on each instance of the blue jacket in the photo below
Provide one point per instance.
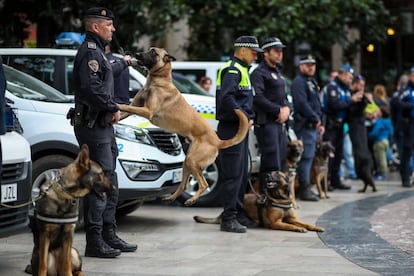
(381, 130)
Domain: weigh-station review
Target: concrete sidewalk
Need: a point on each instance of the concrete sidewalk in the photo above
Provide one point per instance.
(171, 243)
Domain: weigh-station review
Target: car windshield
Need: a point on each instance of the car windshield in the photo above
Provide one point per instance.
(187, 86)
(25, 86)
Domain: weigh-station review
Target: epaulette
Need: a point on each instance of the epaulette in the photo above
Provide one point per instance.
(91, 45)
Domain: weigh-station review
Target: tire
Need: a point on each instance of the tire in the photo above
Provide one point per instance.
(46, 164)
(123, 211)
(212, 196)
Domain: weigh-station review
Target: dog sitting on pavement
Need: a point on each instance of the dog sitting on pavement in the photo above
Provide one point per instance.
(162, 104)
(275, 210)
(56, 214)
(319, 170)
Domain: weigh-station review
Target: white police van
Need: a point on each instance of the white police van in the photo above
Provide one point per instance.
(150, 159)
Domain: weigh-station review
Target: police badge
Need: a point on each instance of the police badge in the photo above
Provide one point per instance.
(94, 65)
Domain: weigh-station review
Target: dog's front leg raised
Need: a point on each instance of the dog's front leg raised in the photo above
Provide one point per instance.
(140, 111)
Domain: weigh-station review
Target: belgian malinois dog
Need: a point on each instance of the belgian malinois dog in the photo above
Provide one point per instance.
(56, 213)
(275, 210)
(293, 156)
(162, 104)
(319, 170)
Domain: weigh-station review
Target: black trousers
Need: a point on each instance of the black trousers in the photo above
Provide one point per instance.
(99, 211)
(272, 142)
(335, 134)
(407, 151)
(233, 170)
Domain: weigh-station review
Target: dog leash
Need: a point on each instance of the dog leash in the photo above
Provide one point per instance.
(23, 204)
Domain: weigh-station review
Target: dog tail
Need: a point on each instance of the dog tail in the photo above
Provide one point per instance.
(241, 133)
(199, 219)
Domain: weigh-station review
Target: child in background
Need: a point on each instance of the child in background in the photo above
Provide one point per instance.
(381, 133)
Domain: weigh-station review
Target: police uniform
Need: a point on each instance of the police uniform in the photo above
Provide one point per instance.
(269, 97)
(336, 100)
(234, 91)
(94, 108)
(308, 112)
(406, 105)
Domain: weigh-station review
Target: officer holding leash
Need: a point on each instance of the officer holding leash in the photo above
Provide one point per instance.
(309, 125)
(94, 116)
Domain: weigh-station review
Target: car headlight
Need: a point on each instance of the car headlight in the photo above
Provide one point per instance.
(134, 169)
(133, 134)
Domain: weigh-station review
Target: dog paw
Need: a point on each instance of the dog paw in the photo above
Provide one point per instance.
(302, 230)
(168, 199)
(319, 229)
(189, 202)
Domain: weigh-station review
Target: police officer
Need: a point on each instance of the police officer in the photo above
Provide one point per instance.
(336, 101)
(95, 112)
(234, 91)
(406, 105)
(308, 124)
(272, 109)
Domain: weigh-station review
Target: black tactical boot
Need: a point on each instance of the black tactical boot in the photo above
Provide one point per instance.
(111, 238)
(97, 247)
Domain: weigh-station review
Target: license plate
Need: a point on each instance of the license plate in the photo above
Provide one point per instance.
(177, 176)
(8, 193)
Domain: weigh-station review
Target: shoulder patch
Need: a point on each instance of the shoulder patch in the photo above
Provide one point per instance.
(91, 45)
(94, 65)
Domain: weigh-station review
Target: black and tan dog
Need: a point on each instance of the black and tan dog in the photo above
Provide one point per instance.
(319, 170)
(275, 211)
(293, 156)
(56, 213)
(162, 104)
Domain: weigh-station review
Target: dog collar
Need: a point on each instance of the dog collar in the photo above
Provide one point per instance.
(283, 206)
(69, 220)
(54, 180)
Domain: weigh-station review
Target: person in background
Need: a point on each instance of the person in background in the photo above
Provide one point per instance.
(336, 100)
(381, 133)
(95, 113)
(205, 83)
(309, 121)
(271, 108)
(380, 95)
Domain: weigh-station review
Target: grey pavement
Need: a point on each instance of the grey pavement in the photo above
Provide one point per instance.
(171, 243)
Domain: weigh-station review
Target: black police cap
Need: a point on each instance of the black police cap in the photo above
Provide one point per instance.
(307, 59)
(248, 42)
(273, 42)
(99, 12)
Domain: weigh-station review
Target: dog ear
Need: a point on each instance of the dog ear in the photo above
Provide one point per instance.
(169, 58)
(83, 157)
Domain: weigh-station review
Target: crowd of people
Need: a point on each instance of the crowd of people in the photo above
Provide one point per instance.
(361, 125)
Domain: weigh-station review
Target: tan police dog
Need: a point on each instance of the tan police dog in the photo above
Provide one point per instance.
(56, 215)
(162, 104)
(319, 170)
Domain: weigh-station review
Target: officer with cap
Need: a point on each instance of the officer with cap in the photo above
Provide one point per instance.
(94, 116)
(336, 100)
(272, 109)
(405, 103)
(234, 91)
(308, 125)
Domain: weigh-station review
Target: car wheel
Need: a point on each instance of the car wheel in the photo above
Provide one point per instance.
(45, 165)
(212, 196)
(123, 211)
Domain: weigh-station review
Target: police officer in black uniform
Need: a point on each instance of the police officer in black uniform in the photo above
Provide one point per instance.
(308, 125)
(405, 103)
(234, 91)
(95, 112)
(336, 100)
(272, 109)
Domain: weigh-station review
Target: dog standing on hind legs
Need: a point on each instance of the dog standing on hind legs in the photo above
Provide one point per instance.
(56, 214)
(162, 104)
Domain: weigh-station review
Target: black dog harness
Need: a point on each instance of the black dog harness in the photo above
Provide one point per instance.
(53, 181)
